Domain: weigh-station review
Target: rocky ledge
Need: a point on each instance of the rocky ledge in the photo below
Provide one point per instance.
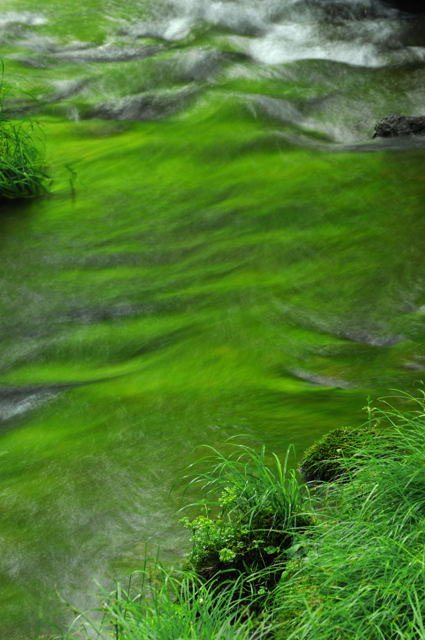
(394, 126)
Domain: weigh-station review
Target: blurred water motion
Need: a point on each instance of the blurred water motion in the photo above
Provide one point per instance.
(225, 251)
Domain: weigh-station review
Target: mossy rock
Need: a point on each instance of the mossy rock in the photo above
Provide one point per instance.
(328, 458)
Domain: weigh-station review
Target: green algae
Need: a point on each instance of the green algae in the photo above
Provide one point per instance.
(203, 276)
(213, 259)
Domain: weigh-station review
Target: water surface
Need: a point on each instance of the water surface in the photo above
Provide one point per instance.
(225, 250)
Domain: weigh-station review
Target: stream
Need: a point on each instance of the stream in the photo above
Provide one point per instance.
(224, 251)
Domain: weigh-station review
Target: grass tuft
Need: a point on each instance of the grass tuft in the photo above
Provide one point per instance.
(171, 606)
(361, 570)
(22, 174)
(252, 508)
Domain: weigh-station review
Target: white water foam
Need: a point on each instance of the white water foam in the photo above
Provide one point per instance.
(21, 17)
(357, 32)
(16, 406)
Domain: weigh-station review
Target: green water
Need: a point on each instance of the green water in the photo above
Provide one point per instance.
(224, 251)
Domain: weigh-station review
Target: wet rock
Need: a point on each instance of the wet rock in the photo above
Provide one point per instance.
(394, 126)
(410, 6)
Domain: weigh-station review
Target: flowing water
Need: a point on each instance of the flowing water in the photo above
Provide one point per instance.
(225, 250)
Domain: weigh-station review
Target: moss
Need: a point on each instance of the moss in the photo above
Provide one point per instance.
(327, 459)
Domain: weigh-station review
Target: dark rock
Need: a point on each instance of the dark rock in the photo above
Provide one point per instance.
(394, 126)
(410, 6)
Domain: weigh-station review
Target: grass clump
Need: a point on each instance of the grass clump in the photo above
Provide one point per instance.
(361, 570)
(252, 510)
(171, 606)
(22, 174)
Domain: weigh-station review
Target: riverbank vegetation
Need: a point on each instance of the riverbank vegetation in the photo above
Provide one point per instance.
(22, 174)
(276, 556)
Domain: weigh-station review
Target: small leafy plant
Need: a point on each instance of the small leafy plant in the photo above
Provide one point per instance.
(250, 524)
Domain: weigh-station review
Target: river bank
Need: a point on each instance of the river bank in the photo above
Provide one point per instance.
(273, 556)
